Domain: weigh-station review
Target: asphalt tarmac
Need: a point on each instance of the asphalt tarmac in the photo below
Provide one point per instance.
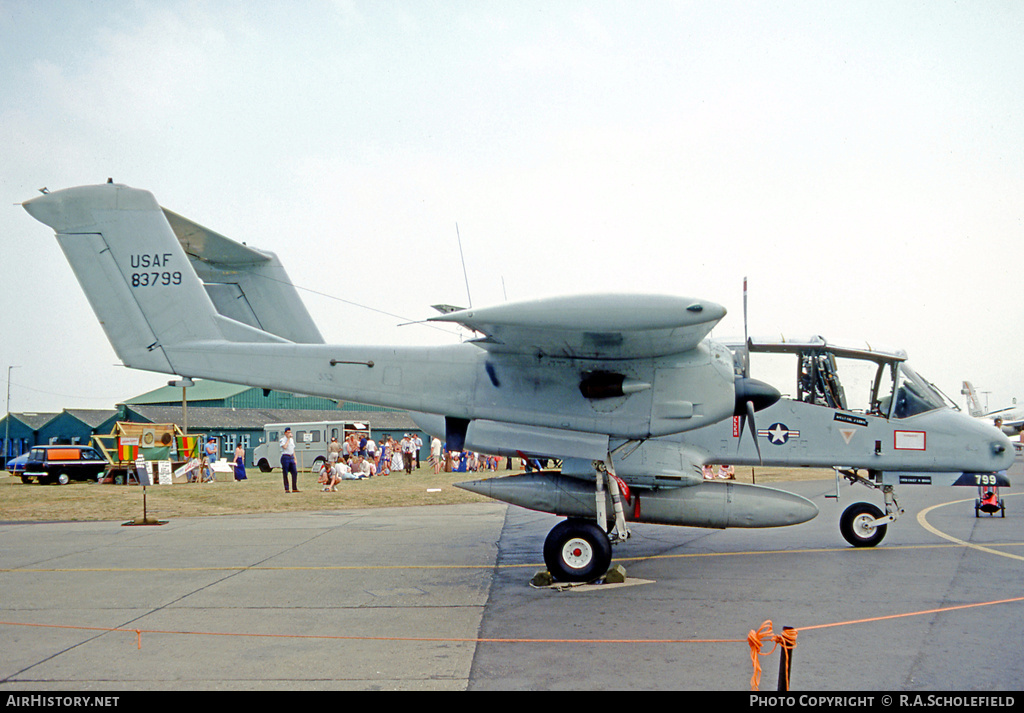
(439, 598)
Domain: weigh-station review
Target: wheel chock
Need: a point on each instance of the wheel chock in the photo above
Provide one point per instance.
(615, 575)
(542, 579)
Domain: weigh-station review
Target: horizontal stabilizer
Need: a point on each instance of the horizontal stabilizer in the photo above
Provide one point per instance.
(206, 245)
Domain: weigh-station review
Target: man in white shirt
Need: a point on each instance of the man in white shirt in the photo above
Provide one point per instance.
(287, 444)
(408, 458)
(435, 454)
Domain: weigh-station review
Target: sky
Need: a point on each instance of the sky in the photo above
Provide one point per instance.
(861, 163)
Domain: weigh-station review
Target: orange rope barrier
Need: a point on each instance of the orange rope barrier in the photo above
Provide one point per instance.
(441, 639)
(788, 636)
(756, 638)
(916, 613)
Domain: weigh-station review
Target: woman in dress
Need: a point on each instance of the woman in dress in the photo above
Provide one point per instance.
(239, 462)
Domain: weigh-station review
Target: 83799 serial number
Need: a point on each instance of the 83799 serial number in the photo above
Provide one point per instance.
(152, 279)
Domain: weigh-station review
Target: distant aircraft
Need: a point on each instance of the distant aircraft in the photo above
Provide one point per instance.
(625, 389)
(1012, 417)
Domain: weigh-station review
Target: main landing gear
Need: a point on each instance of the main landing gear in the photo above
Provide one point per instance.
(578, 550)
(863, 524)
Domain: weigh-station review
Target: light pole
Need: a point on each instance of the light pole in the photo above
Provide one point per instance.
(184, 384)
(7, 419)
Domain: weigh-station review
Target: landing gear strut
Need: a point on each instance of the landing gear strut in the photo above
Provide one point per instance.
(579, 550)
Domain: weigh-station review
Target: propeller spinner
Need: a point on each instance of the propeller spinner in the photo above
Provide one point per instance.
(753, 395)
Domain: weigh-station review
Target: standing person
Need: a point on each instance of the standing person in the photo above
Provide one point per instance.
(417, 443)
(384, 463)
(239, 462)
(211, 458)
(333, 451)
(288, 461)
(435, 454)
(407, 456)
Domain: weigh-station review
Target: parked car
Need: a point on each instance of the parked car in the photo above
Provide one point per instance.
(15, 466)
(61, 464)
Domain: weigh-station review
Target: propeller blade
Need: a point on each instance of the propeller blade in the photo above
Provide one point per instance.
(746, 339)
(753, 431)
(751, 396)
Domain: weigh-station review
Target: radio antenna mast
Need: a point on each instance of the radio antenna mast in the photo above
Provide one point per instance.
(464, 274)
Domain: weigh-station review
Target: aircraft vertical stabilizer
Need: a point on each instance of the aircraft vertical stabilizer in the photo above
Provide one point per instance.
(973, 404)
(136, 274)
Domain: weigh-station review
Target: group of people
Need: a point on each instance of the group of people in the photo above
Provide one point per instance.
(723, 472)
(354, 467)
(386, 456)
(357, 456)
(200, 470)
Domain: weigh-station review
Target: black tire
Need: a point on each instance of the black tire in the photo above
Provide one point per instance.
(853, 526)
(577, 551)
(264, 466)
(62, 479)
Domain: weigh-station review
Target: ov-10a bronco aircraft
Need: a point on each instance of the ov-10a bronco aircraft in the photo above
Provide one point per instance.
(611, 384)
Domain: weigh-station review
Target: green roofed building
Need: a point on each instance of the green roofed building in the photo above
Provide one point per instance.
(235, 414)
(216, 394)
(232, 414)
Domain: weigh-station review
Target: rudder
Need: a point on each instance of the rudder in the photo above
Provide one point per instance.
(133, 270)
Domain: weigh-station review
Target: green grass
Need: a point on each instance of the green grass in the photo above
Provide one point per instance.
(261, 493)
(264, 493)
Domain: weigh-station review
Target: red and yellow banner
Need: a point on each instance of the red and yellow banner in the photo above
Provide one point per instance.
(127, 449)
(188, 447)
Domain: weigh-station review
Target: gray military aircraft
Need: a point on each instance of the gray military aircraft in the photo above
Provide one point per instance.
(1011, 418)
(625, 389)
(902, 431)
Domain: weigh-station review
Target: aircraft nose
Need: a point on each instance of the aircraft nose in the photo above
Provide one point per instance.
(1002, 451)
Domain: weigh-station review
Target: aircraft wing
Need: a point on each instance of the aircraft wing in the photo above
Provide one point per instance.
(1013, 424)
(657, 463)
(602, 326)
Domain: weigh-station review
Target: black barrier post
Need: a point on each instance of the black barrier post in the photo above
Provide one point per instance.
(785, 660)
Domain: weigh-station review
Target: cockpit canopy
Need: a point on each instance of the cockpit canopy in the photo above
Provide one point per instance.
(863, 379)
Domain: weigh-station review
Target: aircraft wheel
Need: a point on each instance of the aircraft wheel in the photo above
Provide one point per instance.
(577, 551)
(855, 528)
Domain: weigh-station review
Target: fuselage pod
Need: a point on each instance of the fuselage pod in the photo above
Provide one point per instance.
(710, 504)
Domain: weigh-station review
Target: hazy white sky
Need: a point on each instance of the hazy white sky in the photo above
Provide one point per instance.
(861, 162)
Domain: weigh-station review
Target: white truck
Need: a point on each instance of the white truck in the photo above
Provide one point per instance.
(311, 442)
